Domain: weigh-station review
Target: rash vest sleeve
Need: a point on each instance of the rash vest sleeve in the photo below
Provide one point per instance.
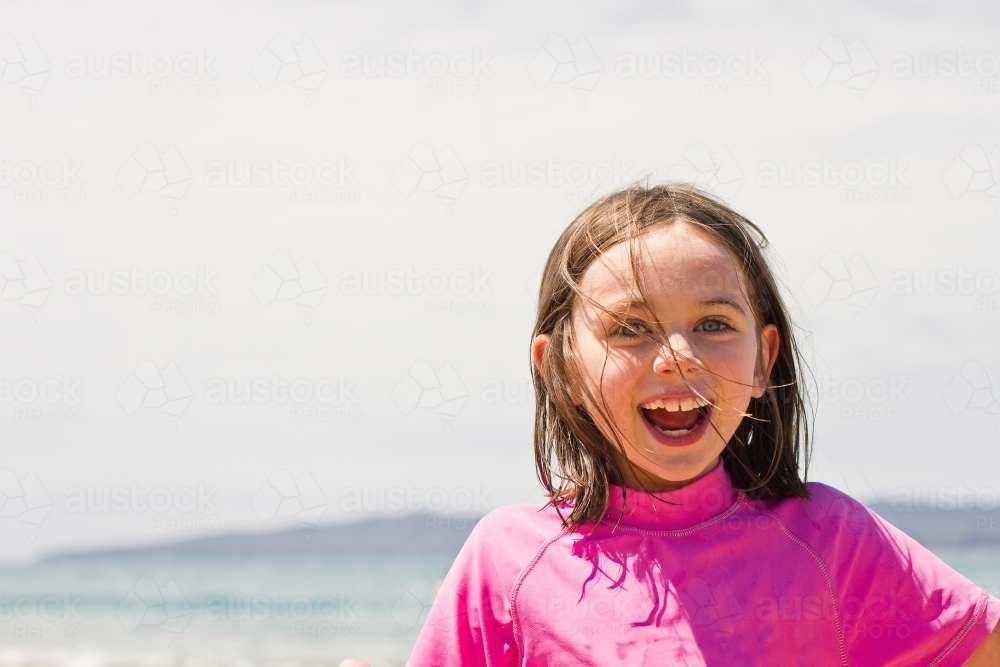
(900, 604)
(469, 624)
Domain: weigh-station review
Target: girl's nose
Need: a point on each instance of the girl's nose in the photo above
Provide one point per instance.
(676, 357)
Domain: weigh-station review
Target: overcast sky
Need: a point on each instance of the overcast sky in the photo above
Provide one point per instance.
(324, 198)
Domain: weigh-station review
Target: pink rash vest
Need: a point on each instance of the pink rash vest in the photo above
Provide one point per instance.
(712, 579)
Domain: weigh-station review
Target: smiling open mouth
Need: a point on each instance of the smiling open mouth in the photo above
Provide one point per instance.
(676, 423)
(677, 416)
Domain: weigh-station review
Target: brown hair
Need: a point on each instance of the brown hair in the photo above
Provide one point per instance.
(762, 457)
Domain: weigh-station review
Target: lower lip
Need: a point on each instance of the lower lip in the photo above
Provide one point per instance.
(689, 438)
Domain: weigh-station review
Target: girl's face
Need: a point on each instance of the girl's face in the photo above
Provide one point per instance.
(675, 407)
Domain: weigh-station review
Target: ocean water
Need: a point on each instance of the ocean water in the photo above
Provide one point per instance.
(218, 611)
(243, 612)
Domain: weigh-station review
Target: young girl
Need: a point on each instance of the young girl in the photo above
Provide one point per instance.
(670, 432)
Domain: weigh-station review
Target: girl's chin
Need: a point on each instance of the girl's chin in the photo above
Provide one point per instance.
(681, 470)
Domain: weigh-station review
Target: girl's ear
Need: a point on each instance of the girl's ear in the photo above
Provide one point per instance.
(770, 342)
(538, 346)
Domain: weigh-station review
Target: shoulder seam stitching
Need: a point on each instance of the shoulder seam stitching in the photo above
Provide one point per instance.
(822, 566)
(517, 585)
(957, 639)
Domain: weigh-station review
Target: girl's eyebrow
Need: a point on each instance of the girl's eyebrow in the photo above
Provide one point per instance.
(629, 304)
(722, 301)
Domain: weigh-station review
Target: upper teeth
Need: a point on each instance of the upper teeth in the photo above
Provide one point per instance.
(676, 404)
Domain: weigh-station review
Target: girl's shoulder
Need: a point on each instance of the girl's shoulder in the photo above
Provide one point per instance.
(827, 511)
(841, 529)
(508, 538)
(823, 501)
(526, 525)
(897, 596)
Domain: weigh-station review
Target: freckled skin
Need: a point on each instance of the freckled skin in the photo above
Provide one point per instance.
(683, 268)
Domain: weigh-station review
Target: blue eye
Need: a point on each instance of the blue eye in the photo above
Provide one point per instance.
(631, 329)
(712, 326)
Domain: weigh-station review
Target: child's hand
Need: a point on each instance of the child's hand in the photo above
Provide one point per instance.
(352, 662)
